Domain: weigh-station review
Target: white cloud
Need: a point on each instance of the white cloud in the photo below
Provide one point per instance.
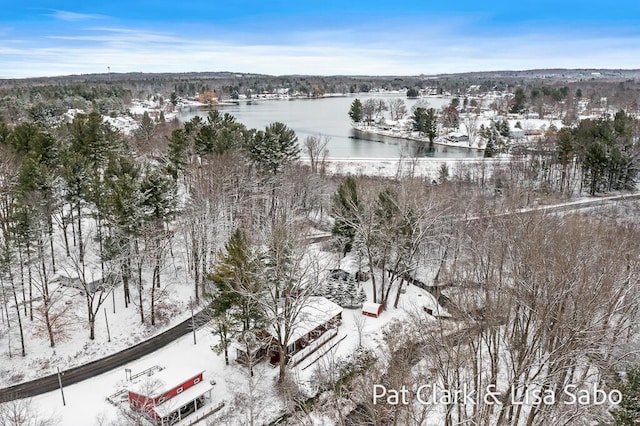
(119, 35)
(388, 52)
(65, 15)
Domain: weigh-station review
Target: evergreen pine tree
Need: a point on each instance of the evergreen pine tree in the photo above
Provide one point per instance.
(413, 93)
(351, 294)
(331, 292)
(345, 207)
(355, 111)
(360, 249)
(235, 279)
(235, 288)
(178, 144)
(123, 179)
(92, 138)
(341, 293)
(491, 148)
(159, 196)
(146, 128)
(519, 101)
(362, 296)
(4, 132)
(627, 412)
(272, 149)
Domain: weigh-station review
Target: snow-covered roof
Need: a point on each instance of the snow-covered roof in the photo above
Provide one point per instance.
(317, 311)
(370, 307)
(182, 398)
(158, 384)
(457, 135)
(350, 264)
(125, 124)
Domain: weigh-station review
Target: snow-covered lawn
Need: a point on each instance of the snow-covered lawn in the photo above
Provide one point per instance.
(404, 167)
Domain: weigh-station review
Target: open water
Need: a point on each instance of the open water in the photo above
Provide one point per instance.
(328, 117)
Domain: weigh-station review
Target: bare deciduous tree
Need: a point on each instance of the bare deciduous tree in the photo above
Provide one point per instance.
(538, 304)
(97, 282)
(22, 412)
(290, 276)
(397, 109)
(316, 148)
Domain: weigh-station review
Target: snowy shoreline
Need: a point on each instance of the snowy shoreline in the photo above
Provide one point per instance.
(428, 167)
(404, 135)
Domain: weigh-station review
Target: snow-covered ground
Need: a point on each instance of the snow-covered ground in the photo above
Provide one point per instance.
(523, 130)
(86, 402)
(73, 347)
(403, 167)
(127, 124)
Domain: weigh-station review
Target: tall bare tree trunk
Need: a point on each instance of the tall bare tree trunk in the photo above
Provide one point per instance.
(29, 277)
(22, 284)
(15, 301)
(53, 256)
(155, 284)
(46, 298)
(92, 318)
(139, 279)
(80, 242)
(126, 275)
(64, 233)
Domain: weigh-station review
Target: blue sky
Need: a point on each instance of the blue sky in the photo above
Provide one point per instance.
(45, 38)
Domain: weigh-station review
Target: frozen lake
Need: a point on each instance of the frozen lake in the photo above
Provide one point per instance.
(329, 117)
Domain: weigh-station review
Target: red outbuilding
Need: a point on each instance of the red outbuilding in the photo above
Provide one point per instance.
(371, 309)
(170, 395)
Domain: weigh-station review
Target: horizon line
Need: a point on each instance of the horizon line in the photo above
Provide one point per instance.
(112, 73)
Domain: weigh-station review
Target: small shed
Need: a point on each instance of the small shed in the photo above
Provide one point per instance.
(371, 309)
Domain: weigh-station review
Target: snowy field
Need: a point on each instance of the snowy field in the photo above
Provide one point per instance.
(428, 168)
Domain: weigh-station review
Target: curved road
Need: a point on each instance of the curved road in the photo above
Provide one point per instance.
(94, 368)
(78, 374)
